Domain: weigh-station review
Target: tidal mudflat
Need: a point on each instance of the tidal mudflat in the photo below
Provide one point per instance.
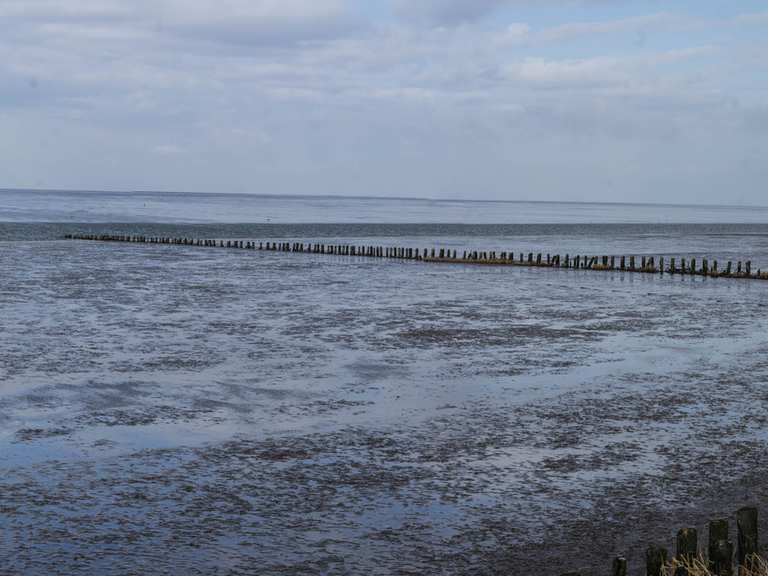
(166, 410)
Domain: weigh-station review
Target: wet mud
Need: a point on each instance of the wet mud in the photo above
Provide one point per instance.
(167, 410)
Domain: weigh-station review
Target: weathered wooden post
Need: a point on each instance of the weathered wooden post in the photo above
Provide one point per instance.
(619, 567)
(632, 263)
(687, 549)
(687, 544)
(746, 523)
(655, 560)
(720, 549)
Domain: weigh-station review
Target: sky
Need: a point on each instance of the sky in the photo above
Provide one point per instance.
(576, 100)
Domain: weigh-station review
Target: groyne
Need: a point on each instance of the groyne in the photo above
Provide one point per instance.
(717, 556)
(634, 264)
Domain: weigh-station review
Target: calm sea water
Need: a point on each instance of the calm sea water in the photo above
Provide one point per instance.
(92, 207)
(168, 409)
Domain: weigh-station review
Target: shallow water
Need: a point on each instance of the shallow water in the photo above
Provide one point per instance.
(168, 409)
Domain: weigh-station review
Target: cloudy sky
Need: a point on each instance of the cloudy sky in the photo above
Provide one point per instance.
(495, 99)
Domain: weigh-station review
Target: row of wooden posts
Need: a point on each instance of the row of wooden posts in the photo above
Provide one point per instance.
(720, 556)
(645, 264)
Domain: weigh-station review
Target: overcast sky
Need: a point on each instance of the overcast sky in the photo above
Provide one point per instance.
(494, 99)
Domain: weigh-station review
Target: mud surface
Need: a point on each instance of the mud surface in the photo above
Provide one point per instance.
(171, 410)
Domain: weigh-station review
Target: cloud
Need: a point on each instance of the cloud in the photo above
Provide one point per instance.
(306, 96)
(254, 20)
(635, 24)
(594, 72)
(446, 12)
(250, 21)
(168, 150)
(515, 33)
(65, 9)
(454, 12)
(757, 18)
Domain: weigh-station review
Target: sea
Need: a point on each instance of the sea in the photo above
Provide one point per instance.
(174, 409)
